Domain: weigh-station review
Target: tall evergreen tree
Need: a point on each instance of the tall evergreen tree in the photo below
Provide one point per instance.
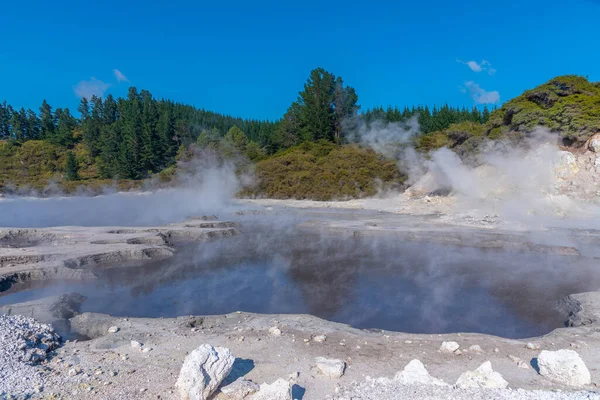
(72, 168)
(316, 101)
(47, 121)
(5, 118)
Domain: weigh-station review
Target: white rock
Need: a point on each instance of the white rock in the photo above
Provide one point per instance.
(594, 143)
(520, 363)
(476, 348)
(320, 338)
(564, 366)
(136, 345)
(113, 329)
(532, 346)
(275, 331)
(278, 390)
(203, 371)
(332, 368)
(566, 166)
(449, 347)
(240, 389)
(415, 373)
(483, 377)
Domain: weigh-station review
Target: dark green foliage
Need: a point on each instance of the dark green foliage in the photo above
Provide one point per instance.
(134, 137)
(71, 168)
(324, 171)
(321, 108)
(569, 105)
(429, 120)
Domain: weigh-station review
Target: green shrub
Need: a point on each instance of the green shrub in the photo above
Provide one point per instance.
(324, 171)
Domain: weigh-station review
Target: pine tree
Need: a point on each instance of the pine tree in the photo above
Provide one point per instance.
(5, 117)
(72, 168)
(152, 152)
(63, 134)
(33, 126)
(18, 124)
(345, 107)
(316, 101)
(47, 123)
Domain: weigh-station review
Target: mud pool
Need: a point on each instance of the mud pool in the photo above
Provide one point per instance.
(366, 282)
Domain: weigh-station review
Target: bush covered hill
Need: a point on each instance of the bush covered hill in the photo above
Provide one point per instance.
(567, 105)
(324, 171)
(306, 154)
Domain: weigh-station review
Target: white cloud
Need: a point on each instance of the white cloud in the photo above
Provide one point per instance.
(480, 95)
(90, 88)
(120, 76)
(475, 66)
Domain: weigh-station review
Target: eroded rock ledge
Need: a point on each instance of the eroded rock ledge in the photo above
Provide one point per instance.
(71, 252)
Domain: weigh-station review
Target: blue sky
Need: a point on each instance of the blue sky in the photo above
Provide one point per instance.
(250, 58)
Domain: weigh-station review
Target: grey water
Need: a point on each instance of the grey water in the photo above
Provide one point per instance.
(370, 283)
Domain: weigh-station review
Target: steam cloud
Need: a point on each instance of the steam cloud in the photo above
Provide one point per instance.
(205, 187)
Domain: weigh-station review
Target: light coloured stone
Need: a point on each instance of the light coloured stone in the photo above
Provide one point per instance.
(415, 373)
(594, 143)
(136, 345)
(320, 338)
(278, 390)
(476, 348)
(483, 377)
(532, 346)
(520, 363)
(449, 347)
(203, 371)
(275, 331)
(564, 366)
(113, 329)
(332, 368)
(566, 166)
(240, 389)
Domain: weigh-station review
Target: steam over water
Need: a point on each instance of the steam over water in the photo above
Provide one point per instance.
(365, 281)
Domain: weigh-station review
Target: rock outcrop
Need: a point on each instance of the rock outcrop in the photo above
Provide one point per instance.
(415, 373)
(564, 366)
(483, 377)
(239, 389)
(278, 390)
(203, 371)
(449, 347)
(332, 368)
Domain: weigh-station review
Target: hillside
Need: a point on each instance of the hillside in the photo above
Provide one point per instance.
(568, 106)
(324, 171)
(307, 154)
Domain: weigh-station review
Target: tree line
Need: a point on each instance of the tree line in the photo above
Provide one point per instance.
(139, 135)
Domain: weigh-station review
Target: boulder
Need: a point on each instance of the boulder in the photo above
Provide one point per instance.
(566, 165)
(594, 143)
(203, 371)
(415, 373)
(278, 390)
(332, 368)
(564, 366)
(275, 331)
(476, 348)
(483, 377)
(449, 347)
(239, 389)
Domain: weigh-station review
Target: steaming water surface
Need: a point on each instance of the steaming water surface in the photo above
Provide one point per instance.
(365, 282)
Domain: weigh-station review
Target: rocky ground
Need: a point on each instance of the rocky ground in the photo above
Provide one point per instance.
(71, 252)
(292, 356)
(142, 358)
